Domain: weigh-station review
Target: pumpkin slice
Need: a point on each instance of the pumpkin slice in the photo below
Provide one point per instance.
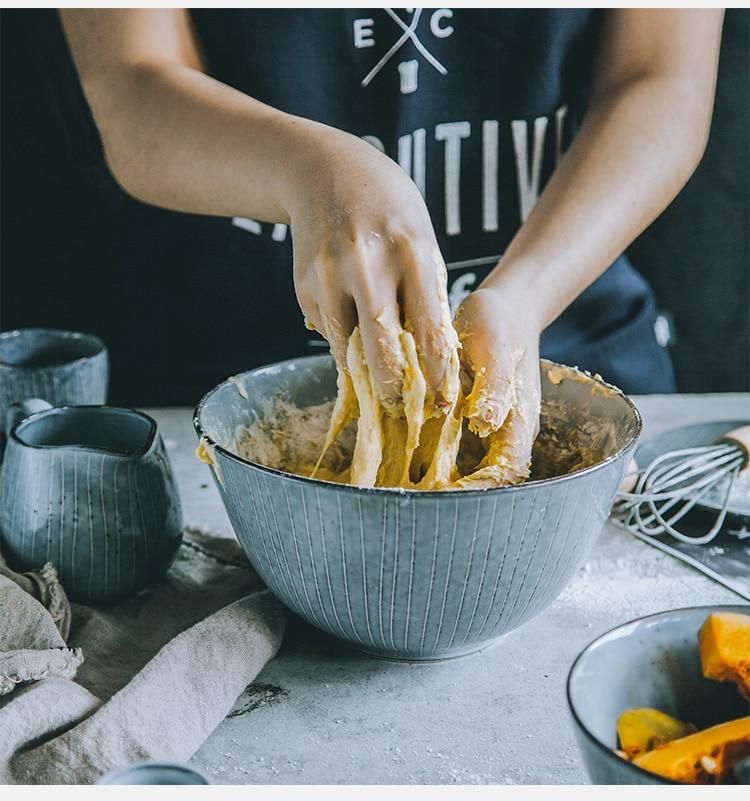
(707, 757)
(724, 641)
(640, 730)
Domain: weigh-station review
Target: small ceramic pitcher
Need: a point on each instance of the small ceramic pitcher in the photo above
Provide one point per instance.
(89, 489)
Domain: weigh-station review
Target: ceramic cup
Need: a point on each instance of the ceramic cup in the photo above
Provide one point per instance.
(89, 489)
(154, 773)
(63, 367)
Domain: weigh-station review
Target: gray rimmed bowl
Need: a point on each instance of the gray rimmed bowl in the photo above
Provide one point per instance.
(650, 662)
(403, 574)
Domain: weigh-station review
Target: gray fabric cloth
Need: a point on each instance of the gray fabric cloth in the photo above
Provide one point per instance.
(145, 679)
(45, 587)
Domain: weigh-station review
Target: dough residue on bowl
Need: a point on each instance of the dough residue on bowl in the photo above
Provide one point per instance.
(460, 435)
(289, 438)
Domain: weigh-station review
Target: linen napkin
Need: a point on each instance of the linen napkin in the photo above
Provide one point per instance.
(144, 679)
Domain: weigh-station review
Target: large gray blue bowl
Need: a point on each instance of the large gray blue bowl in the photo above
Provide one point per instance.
(650, 662)
(411, 575)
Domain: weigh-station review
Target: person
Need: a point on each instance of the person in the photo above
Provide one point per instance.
(499, 161)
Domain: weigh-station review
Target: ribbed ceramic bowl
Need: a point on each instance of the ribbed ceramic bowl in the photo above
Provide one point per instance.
(411, 575)
(650, 662)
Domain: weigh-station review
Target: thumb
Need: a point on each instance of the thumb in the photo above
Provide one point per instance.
(494, 389)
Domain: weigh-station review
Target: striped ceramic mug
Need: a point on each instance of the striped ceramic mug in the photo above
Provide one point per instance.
(89, 489)
(62, 367)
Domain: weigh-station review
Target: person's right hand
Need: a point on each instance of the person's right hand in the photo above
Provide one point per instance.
(365, 254)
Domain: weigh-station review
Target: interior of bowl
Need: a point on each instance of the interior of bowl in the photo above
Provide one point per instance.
(652, 662)
(257, 395)
(278, 415)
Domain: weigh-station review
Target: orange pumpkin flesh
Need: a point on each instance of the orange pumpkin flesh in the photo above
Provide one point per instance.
(703, 758)
(724, 643)
(665, 746)
(640, 730)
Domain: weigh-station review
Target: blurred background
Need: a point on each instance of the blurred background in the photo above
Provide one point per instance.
(60, 211)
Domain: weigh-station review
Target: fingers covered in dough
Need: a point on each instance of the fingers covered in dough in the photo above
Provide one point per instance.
(427, 314)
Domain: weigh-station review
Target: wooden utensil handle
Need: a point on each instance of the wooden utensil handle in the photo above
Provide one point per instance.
(740, 437)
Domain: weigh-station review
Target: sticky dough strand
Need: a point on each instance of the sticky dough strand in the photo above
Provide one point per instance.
(419, 449)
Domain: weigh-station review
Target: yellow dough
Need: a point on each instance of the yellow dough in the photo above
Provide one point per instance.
(417, 447)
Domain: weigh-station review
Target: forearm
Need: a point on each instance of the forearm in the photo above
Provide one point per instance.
(632, 155)
(643, 135)
(177, 138)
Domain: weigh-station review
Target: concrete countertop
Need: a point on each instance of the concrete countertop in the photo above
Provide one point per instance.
(322, 713)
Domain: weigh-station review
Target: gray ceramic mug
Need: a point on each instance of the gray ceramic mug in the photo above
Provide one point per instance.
(64, 368)
(89, 489)
(154, 773)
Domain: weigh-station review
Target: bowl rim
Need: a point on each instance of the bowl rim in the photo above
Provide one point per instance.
(123, 771)
(402, 492)
(600, 746)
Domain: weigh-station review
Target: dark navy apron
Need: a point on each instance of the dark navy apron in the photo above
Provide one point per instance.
(477, 106)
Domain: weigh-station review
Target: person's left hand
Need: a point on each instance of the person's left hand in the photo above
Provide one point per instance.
(500, 363)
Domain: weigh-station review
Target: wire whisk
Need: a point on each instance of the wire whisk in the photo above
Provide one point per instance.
(673, 483)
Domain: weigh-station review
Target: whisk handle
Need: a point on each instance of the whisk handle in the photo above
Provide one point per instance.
(630, 479)
(741, 438)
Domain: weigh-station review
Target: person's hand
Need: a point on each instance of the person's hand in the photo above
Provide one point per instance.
(500, 371)
(365, 254)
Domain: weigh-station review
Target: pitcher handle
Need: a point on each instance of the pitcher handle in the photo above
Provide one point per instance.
(18, 411)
